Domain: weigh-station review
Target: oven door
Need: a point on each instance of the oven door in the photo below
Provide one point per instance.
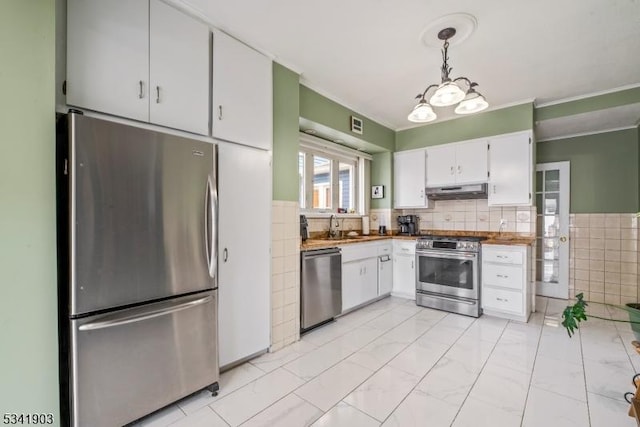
(448, 273)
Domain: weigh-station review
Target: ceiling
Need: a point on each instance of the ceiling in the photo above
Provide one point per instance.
(368, 56)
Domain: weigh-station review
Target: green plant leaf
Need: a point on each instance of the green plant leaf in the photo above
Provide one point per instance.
(574, 314)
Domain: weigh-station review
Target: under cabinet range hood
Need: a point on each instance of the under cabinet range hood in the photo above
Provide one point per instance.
(458, 192)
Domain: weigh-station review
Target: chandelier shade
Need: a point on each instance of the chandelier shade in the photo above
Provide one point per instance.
(422, 113)
(472, 103)
(449, 92)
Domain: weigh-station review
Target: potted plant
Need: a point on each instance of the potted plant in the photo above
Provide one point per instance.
(576, 313)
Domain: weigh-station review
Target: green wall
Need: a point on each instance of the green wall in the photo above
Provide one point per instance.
(381, 174)
(604, 170)
(28, 307)
(322, 110)
(592, 103)
(496, 122)
(286, 111)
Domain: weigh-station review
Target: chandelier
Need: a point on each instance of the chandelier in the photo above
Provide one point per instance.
(449, 91)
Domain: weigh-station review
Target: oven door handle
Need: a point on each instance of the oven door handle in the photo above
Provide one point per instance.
(448, 255)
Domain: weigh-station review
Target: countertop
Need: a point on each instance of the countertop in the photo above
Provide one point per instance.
(491, 238)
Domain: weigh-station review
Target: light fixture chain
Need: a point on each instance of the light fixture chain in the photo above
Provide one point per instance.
(445, 65)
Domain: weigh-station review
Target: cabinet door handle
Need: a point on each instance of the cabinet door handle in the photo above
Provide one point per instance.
(501, 256)
(141, 92)
(411, 263)
(219, 112)
(494, 189)
(157, 94)
(452, 170)
(502, 299)
(459, 169)
(502, 276)
(225, 255)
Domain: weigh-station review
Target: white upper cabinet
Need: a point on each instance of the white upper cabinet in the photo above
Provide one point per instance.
(241, 93)
(456, 164)
(471, 162)
(409, 179)
(179, 70)
(139, 59)
(510, 169)
(108, 56)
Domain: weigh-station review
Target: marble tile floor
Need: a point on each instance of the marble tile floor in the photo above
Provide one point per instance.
(395, 364)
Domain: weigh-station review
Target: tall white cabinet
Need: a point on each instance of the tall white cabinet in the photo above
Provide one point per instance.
(139, 59)
(510, 169)
(409, 172)
(241, 93)
(244, 258)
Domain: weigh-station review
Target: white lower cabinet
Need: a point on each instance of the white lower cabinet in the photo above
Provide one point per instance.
(359, 282)
(505, 281)
(404, 270)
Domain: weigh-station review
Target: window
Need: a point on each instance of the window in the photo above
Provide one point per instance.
(331, 177)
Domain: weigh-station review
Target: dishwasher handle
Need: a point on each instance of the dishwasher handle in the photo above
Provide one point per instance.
(321, 253)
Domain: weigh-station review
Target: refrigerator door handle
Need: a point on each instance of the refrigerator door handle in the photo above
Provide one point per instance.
(212, 229)
(133, 318)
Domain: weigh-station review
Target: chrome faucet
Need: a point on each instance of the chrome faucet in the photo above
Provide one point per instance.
(334, 232)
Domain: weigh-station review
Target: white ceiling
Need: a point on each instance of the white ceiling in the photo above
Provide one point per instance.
(367, 54)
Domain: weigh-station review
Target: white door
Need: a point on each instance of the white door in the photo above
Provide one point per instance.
(472, 162)
(351, 284)
(244, 258)
(108, 56)
(179, 70)
(369, 279)
(510, 170)
(404, 276)
(441, 165)
(385, 274)
(552, 229)
(241, 93)
(409, 179)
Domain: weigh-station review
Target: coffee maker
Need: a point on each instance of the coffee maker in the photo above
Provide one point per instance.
(409, 225)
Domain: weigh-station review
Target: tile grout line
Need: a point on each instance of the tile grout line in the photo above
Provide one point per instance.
(479, 373)
(377, 370)
(535, 360)
(584, 375)
(427, 373)
(317, 347)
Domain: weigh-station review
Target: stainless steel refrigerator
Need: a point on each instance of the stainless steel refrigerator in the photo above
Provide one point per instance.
(137, 270)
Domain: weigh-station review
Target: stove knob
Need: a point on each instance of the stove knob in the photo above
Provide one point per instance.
(462, 245)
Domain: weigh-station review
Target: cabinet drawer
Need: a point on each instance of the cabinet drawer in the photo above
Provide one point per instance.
(357, 251)
(504, 256)
(507, 276)
(385, 249)
(407, 247)
(502, 300)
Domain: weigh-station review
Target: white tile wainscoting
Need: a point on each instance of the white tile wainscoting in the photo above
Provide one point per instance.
(604, 257)
(285, 274)
(395, 364)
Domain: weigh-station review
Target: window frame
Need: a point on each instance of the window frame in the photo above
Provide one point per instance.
(312, 146)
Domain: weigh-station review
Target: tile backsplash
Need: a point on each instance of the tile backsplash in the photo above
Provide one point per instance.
(285, 274)
(604, 257)
(474, 215)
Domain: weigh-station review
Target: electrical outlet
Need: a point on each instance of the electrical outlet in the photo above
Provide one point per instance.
(503, 223)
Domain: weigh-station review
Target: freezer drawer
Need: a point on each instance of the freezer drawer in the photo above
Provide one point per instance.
(129, 363)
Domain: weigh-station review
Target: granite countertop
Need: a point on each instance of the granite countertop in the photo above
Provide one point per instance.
(491, 238)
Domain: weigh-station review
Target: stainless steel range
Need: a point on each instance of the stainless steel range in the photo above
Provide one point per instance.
(448, 274)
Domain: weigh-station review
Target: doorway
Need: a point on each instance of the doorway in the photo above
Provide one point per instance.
(552, 229)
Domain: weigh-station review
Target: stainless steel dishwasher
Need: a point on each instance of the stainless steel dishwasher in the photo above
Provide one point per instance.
(320, 287)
